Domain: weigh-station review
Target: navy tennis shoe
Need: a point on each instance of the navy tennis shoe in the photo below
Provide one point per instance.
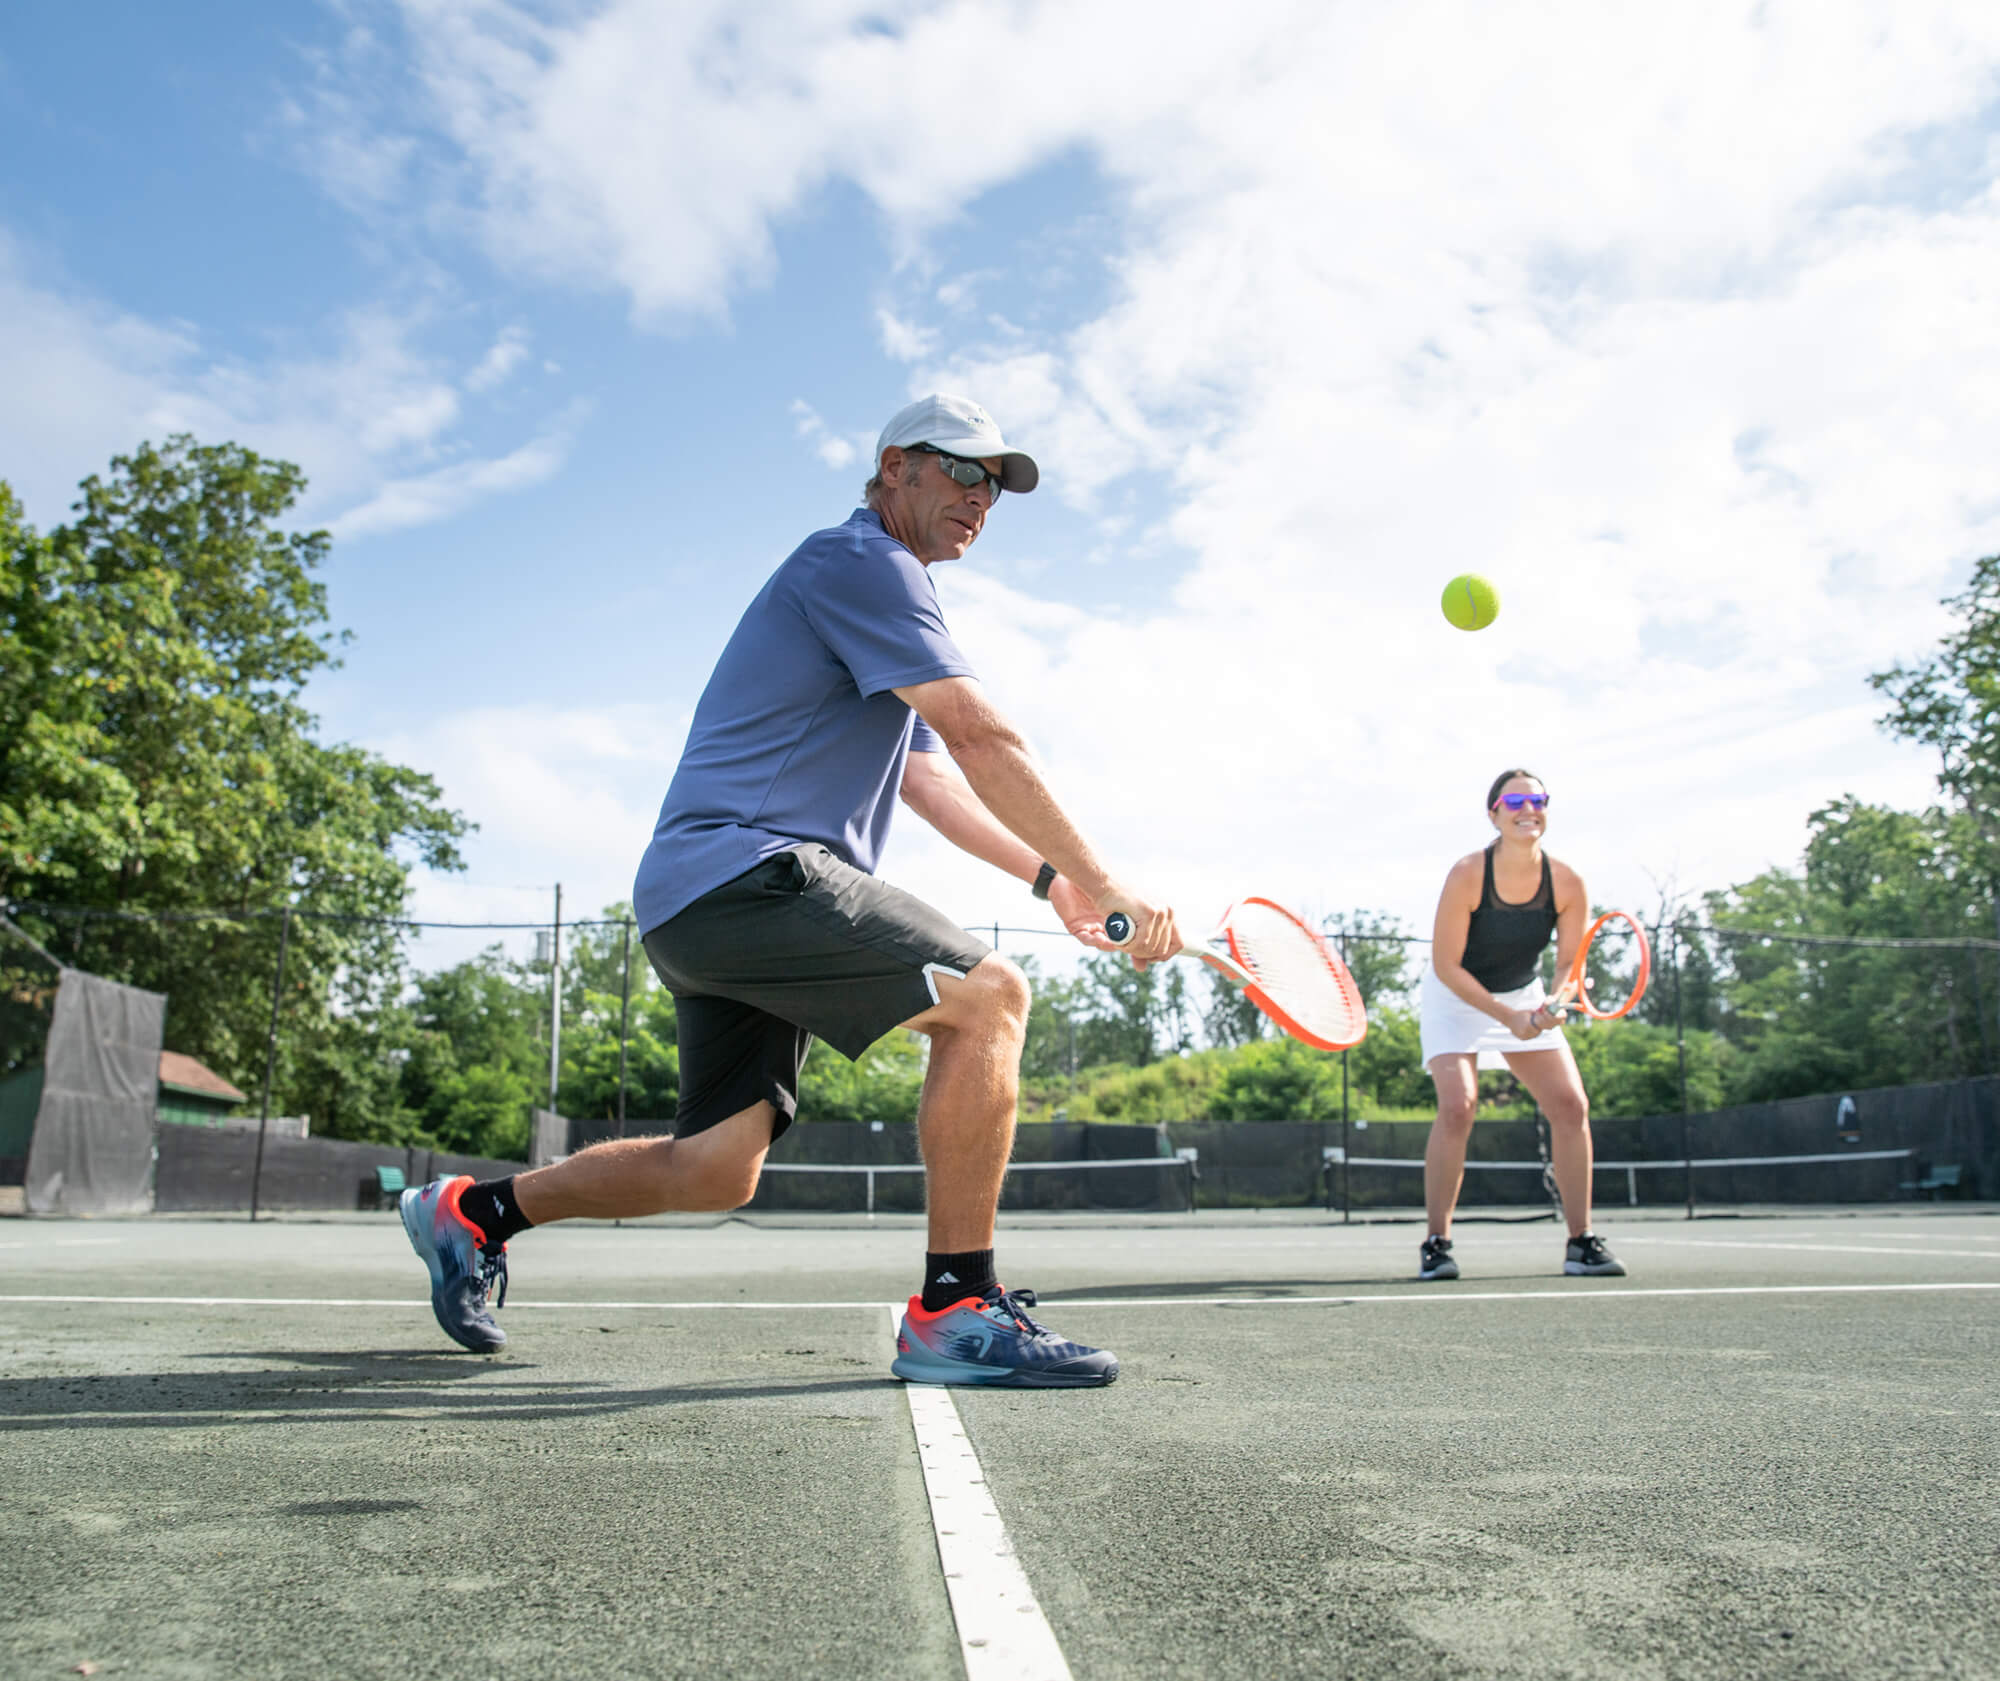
(463, 1267)
(990, 1340)
(1587, 1257)
(1434, 1260)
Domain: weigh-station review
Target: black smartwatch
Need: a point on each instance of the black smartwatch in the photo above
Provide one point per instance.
(1044, 878)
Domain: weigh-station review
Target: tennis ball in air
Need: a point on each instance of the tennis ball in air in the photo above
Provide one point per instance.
(1471, 602)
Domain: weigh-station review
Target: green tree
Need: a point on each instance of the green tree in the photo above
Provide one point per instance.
(1229, 1018)
(1951, 701)
(1279, 1080)
(156, 755)
(1632, 1068)
(881, 1085)
(1377, 952)
(1119, 1010)
(475, 1063)
(1385, 1070)
(1813, 1017)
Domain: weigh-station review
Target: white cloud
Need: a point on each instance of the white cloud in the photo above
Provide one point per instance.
(1680, 326)
(508, 352)
(565, 796)
(425, 498)
(359, 414)
(902, 341)
(833, 450)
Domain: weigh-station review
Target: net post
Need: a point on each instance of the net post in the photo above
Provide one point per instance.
(871, 1193)
(1346, 1192)
(270, 1061)
(624, 1025)
(1681, 1048)
(555, 1006)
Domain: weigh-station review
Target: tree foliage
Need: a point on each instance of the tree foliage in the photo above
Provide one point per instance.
(1951, 701)
(156, 756)
(1806, 1017)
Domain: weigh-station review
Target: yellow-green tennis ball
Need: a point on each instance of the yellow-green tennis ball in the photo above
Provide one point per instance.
(1470, 602)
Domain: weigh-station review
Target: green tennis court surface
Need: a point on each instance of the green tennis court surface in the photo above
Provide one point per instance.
(1769, 1451)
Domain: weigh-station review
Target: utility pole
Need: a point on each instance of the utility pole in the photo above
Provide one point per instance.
(270, 1061)
(555, 1004)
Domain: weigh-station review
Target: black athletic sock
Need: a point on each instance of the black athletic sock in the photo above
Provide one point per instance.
(490, 1206)
(951, 1278)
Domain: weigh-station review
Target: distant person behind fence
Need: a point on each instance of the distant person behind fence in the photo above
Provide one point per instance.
(840, 690)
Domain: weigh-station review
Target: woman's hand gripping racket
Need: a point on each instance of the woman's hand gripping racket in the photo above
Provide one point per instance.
(1624, 965)
(1285, 969)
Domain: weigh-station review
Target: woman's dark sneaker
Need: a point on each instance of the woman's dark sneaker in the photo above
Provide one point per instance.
(1587, 1257)
(1434, 1260)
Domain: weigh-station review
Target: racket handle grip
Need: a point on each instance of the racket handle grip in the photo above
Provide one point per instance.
(1118, 928)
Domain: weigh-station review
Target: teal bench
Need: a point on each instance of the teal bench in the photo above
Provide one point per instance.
(384, 1189)
(1936, 1179)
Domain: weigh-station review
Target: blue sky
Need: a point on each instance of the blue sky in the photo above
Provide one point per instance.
(579, 316)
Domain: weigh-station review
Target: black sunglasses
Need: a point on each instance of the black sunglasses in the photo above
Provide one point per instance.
(962, 471)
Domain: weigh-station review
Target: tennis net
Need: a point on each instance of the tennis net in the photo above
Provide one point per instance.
(1136, 1184)
(1847, 1176)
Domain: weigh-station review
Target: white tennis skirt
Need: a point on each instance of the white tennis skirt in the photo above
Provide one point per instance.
(1452, 1027)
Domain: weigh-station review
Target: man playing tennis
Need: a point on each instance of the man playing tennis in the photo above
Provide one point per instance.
(840, 690)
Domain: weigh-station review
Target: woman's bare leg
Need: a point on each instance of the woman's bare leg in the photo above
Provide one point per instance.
(1457, 1079)
(1553, 1081)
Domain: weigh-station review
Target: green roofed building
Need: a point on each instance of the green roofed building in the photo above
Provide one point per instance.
(194, 1094)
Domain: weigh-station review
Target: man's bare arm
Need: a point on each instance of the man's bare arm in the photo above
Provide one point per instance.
(936, 792)
(1005, 781)
(1003, 773)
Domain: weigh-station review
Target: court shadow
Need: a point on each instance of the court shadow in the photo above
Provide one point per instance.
(341, 1389)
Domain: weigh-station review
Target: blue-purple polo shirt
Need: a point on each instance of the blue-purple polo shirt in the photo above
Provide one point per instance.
(797, 736)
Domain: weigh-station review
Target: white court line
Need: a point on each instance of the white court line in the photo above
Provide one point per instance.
(1814, 1248)
(70, 1243)
(1428, 1295)
(1933, 1237)
(1002, 1634)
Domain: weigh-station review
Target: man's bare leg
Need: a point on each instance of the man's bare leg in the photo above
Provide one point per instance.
(624, 1178)
(959, 1330)
(965, 1120)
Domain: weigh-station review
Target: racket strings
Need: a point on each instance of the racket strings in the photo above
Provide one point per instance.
(1617, 963)
(1295, 974)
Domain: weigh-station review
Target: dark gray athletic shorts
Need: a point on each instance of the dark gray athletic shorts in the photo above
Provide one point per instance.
(802, 947)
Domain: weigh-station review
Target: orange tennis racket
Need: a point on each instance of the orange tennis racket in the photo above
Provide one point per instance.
(1624, 964)
(1290, 973)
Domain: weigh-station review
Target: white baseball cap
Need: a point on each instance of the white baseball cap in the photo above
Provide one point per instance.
(958, 426)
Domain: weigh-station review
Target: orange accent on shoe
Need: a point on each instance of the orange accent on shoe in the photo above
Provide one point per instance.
(917, 1309)
(453, 1190)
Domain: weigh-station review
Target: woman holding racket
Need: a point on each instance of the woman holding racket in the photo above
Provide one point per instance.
(1482, 1003)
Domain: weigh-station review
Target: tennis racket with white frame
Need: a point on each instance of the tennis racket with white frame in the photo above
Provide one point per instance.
(1608, 975)
(1289, 972)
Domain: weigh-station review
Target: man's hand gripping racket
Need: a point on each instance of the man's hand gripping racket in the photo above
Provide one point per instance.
(1285, 969)
(1622, 949)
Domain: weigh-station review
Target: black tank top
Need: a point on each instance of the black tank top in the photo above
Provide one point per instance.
(1504, 944)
